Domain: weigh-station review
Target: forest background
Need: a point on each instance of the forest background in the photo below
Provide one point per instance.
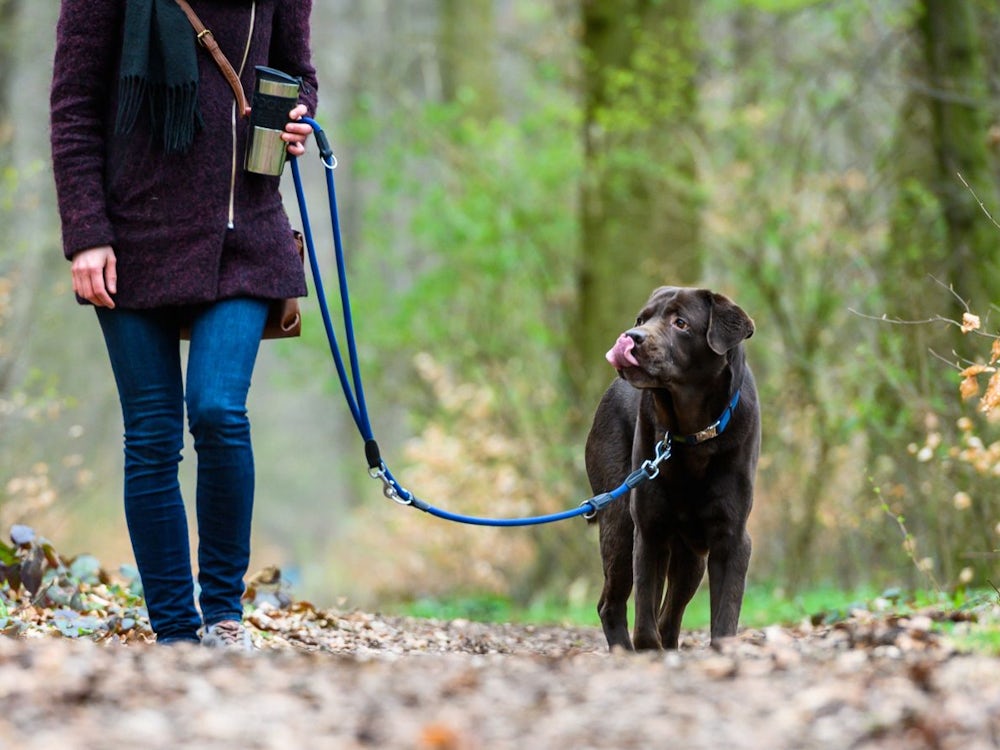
(514, 178)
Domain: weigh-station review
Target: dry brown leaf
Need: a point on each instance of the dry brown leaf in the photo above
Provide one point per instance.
(970, 322)
(972, 371)
(991, 399)
(441, 737)
(969, 388)
(995, 353)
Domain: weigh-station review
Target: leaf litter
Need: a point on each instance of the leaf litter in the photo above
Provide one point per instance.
(79, 669)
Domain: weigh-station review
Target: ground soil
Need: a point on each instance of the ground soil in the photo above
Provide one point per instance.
(357, 680)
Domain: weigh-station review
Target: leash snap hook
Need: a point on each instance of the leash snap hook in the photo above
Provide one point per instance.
(651, 466)
(388, 488)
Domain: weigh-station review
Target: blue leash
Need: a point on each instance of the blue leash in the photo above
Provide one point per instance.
(354, 389)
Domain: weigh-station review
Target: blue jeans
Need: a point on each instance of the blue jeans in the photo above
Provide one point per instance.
(144, 349)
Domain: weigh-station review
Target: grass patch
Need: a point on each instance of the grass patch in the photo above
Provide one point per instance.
(491, 608)
(763, 605)
(977, 631)
(981, 638)
(770, 605)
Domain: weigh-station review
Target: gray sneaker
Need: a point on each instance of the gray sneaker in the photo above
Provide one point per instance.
(227, 634)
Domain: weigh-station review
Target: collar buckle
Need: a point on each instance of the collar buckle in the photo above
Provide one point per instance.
(715, 429)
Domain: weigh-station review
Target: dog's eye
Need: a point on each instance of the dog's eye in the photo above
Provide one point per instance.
(639, 321)
(681, 324)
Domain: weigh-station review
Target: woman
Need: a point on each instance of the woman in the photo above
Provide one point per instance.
(164, 228)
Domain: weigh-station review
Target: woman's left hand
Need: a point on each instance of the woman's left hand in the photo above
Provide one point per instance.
(297, 132)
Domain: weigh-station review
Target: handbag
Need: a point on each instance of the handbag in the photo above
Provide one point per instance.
(284, 319)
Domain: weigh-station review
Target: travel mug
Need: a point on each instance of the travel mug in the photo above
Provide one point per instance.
(274, 96)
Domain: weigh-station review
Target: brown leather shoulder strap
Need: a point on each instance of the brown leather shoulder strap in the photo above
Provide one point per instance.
(207, 41)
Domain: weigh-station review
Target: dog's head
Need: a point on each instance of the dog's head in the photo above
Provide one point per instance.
(681, 336)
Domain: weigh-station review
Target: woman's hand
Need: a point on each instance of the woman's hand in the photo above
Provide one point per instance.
(297, 132)
(94, 275)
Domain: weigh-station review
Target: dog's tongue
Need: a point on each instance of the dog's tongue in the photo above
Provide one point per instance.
(620, 355)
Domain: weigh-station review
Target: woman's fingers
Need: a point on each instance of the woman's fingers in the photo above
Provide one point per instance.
(297, 132)
(95, 276)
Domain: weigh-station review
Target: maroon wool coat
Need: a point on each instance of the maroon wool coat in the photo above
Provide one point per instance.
(188, 228)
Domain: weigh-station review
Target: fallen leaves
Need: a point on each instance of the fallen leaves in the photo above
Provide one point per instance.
(875, 676)
(43, 592)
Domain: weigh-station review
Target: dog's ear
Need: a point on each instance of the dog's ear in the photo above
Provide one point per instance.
(728, 325)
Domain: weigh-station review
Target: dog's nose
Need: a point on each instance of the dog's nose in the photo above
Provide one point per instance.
(636, 334)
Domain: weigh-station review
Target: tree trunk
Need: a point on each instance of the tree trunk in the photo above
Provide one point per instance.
(937, 231)
(8, 39)
(640, 214)
(8, 55)
(958, 99)
(467, 58)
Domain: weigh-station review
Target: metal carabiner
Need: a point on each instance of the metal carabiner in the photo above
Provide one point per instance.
(388, 487)
(663, 450)
(651, 468)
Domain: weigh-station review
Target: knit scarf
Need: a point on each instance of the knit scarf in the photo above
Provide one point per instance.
(159, 68)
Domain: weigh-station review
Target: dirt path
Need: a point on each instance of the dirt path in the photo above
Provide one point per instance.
(325, 680)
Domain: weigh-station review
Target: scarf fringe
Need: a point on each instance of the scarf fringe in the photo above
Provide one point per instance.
(179, 117)
(131, 92)
(159, 70)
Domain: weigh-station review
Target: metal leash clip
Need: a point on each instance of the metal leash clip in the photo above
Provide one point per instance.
(651, 466)
(649, 469)
(388, 486)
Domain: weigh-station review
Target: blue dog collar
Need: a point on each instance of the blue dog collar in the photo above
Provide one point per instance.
(713, 430)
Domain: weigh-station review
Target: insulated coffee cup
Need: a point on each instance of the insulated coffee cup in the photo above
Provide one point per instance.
(274, 96)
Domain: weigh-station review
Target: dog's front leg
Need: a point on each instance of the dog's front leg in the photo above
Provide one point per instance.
(728, 560)
(616, 555)
(648, 562)
(685, 570)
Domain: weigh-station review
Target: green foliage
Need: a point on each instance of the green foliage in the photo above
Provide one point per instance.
(475, 457)
(813, 208)
(489, 221)
(968, 616)
(812, 140)
(653, 88)
(983, 638)
(462, 290)
(33, 408)
(820, 192)
(964, 461)
(486, 608)
(794, 221)
(777, 6)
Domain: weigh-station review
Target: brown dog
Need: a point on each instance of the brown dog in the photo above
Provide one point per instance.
(683, 373)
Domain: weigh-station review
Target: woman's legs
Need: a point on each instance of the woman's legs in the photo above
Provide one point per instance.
(145, 358)
(224, 343)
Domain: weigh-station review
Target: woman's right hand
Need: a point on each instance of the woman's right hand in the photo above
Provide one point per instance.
(94, 275)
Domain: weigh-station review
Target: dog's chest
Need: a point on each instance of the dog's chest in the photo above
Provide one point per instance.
(688, 465)
(682, 491)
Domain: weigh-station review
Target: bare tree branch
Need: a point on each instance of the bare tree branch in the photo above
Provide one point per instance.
(981, 205)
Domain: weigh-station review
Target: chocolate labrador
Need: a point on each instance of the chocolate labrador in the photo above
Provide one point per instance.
(684, 383)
